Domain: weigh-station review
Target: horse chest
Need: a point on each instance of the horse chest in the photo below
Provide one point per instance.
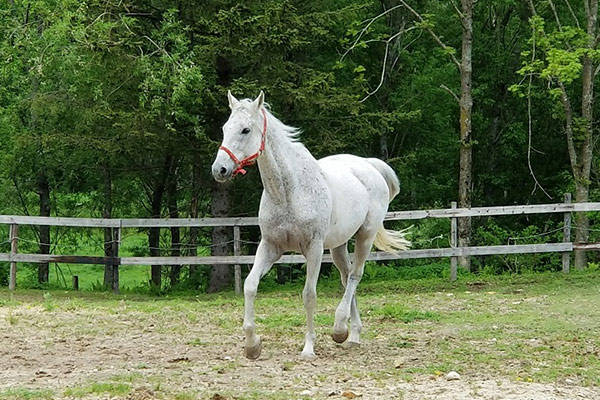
(292, 228)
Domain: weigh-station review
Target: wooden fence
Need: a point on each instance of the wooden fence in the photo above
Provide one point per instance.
(453, 252)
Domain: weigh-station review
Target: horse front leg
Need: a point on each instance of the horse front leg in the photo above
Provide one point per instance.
(313, 255)
(266, 254)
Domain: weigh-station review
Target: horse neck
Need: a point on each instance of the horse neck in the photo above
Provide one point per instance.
(280, 164)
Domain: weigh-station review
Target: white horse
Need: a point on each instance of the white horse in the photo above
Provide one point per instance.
(307, 206)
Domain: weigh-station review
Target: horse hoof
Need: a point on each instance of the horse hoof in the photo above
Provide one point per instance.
(252, 353)
(340, 337)
(308, 357)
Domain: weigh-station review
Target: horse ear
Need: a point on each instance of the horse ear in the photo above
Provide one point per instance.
(258, 103)
(233, 102)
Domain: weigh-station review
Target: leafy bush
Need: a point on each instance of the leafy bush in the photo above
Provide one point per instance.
(4, 271)
(492, 233)
(406, 270)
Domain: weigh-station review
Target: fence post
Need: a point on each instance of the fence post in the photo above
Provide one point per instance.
(115, 253)
(14, 237)
(236, 252)
(566, 256)
(453, 243)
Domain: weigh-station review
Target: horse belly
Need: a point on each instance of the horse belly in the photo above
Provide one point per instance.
(285, 235)
(296, 225)
(350, 206)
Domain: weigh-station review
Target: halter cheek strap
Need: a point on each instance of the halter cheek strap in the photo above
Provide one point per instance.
(250, 159)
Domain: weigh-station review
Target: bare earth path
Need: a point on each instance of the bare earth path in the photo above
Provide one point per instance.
(69, 345)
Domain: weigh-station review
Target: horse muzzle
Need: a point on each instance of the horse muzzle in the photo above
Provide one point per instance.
(221, 172)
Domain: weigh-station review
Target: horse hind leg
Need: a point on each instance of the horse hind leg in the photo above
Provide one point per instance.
(341, 260)
(362, 248)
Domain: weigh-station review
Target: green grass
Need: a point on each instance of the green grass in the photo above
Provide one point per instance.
(185, 396)
(398, 312)
(112, 389)
(26, 394)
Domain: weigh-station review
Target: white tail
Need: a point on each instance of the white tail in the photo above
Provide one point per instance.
(388, 240)
(391, 241)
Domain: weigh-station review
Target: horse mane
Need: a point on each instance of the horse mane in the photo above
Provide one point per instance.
(292, 133)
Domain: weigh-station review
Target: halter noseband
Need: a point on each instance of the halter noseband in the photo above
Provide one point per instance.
(250, 159)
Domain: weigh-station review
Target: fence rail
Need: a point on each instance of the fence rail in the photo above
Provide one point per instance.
(494, 211)
(299, 259)
(236, 222)
(128, 222)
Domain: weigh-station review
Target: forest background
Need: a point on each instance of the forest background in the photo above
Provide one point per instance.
(114, 109)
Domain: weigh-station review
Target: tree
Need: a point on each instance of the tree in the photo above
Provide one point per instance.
(465, 179)
(263, 45)
(36, 83)
(465, 68)
(566, 58)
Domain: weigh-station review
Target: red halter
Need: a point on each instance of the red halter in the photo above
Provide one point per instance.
(250, 159)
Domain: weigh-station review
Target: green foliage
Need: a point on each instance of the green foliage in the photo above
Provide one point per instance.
(407, 271)
(494, 234)
(4, 274)
(562, 49)
(48, 302)
(120, 106)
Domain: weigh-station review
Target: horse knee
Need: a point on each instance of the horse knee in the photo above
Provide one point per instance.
(356, 276)
(250, 290)
(309, 296)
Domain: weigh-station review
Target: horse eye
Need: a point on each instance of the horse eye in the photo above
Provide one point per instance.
(246, 131)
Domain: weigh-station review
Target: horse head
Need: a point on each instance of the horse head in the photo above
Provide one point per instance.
(243, 137)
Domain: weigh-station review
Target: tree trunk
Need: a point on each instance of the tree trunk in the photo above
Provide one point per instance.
(582, 168)
(582, 182)
(220, 275)
(154, 243)
(582, 223)
(193, 243)
(44, 195)
(43, 185)
(466, 104)
(108, 232)
(155, 270)
(175, 230)
(155, 209)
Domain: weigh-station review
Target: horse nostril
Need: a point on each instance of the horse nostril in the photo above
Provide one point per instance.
(223, 170)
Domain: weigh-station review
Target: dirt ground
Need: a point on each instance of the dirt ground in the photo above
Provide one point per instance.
(177, 352)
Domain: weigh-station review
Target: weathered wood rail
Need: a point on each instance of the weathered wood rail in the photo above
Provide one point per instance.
(237, 259)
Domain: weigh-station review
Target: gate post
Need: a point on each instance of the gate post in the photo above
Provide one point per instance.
(14, 237)
(566, 256)
(237, 268)
(453, 243)
(115, 253)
